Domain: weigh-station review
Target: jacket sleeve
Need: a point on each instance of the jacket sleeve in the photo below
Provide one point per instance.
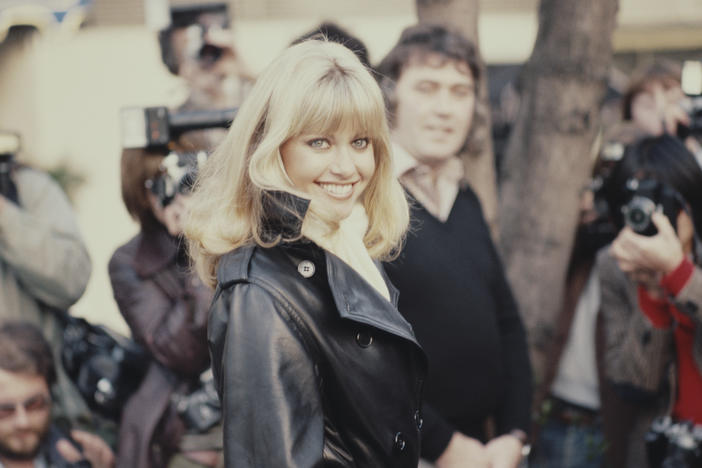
(689, 299)
(175, 332)
(41, 243)
(515, 410)
(436, 433)
(636, 353)
(271, 403)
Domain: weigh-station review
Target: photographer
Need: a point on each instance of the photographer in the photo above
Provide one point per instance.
(27, 437)
(198, 47)
(44, 264)
(652, 286)
(166, 308)
(654, 103)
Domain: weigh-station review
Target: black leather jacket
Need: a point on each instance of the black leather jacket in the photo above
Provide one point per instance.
(314, 367)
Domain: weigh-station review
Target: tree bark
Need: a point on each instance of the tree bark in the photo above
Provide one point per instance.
(550, 156)
(478, 160)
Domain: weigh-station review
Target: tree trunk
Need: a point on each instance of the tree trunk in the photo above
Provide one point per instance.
(479, 161)
(550, 156)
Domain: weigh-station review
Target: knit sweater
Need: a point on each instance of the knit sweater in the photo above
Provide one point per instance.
(454, 292)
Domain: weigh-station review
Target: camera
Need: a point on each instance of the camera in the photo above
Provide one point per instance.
(647, 196)
(9, 146)
(691, 84)
(671, 444)
(200, 409)
(154, 128)
(177, 175)
(199, 49)
(106, 367)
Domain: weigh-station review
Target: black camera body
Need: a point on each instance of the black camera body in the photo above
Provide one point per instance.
(200, 409)
(106, 367)
(177, 175)
(672, 444)
(154, 128)
(9, 146)
(647, 196)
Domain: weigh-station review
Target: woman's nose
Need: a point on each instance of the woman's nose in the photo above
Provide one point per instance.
(343, 164)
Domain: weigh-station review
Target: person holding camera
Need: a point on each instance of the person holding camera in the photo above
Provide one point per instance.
(314, 364)
(44, 263)
(28, 439)
(198, 46)
(165, 306)
(651, 280)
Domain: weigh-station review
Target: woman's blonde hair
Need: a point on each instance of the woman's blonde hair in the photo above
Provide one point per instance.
(315, 86)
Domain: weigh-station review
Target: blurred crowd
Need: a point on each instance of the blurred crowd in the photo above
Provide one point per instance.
(624, 383)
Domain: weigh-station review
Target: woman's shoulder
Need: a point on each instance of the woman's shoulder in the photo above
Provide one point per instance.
(251, 262)
(124, 254)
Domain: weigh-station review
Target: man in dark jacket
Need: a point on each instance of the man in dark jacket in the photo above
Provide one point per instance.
(452, 286)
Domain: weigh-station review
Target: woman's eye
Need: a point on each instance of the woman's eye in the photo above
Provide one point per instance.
(360, 143)
(318, 143)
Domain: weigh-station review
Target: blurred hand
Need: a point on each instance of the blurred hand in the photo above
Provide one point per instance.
(504, 451)
(95, 450)
(661, 253)
(171, 216)
(463, 451)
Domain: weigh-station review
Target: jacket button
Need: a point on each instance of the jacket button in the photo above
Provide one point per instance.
(418, 419)
(400, 442)
(306, 268)
(364, 339)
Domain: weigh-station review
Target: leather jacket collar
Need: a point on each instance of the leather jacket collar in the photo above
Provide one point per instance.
(284, 213)
(355, 299)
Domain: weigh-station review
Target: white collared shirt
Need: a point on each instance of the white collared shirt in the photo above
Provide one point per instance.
(434, 187)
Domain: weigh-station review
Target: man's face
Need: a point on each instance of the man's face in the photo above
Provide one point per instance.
(435, 100)
(25, 408)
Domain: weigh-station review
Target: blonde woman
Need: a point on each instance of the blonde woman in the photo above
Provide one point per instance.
(313, 362)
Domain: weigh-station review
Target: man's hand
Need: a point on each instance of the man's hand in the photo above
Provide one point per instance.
(661, 253)
(95, 450)
(463, 451)
(504, 451)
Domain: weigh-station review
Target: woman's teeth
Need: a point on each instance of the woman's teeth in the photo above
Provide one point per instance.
(337, 189)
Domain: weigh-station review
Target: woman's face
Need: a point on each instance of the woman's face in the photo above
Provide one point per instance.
(333, 169)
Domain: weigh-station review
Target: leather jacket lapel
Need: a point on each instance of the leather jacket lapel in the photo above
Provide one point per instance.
(358, 301)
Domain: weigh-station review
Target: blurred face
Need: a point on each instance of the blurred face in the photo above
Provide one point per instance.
(25, 407)
(332, 169)
(171, 216)
(209, 65)
(657, 106)
(435, 103)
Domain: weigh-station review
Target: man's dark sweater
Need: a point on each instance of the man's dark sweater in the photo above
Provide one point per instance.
(454, 292)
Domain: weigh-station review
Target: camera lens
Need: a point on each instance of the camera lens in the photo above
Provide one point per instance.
(637, 217)
(637, 214)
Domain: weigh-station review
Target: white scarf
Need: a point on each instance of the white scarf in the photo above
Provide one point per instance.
(347, 244)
